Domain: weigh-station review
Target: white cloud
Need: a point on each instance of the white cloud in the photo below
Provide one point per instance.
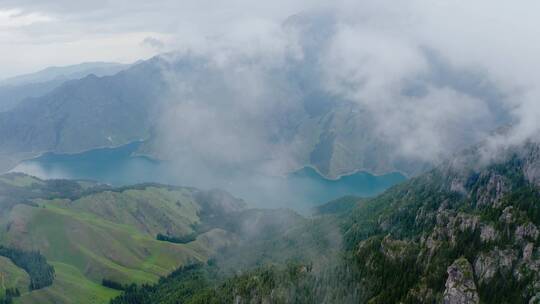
(377, 51)
(13, 19)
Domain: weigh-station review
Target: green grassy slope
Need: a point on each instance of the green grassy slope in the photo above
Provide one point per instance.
(12, 276)
(104, 234)
(98, 247)
(70, 286)
(151, 210)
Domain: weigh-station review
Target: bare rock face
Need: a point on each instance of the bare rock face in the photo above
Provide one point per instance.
(507, 215)
(487, 264)
(460, 286)
(393, 249)
(527, 231)
(488, 233)
(448, 226)
(535, 299)
(528, 251)
(496, 188)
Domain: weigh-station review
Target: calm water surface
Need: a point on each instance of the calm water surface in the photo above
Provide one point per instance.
(117, 166)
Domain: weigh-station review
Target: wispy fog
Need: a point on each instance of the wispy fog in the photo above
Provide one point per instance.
(425, 79)
(421, 79)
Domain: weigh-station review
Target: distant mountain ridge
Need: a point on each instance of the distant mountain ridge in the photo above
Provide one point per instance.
(80, 115)
(109, 111)
(239, 112)
(14, 90)
(65, 73)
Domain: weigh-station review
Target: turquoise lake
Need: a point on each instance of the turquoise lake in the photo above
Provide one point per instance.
(116, 166)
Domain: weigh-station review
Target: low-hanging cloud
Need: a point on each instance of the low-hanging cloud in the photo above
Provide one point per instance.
(430, 79)
(423, 78)
(153, 43)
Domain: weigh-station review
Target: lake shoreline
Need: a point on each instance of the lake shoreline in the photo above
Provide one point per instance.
(119, 166)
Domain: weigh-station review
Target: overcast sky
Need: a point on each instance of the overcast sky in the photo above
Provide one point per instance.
(38, 33)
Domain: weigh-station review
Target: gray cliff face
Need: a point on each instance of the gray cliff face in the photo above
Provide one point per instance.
(460, 286)
(488, 264)
(473, 226)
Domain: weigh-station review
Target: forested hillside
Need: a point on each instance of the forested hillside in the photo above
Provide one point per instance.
(466, 232)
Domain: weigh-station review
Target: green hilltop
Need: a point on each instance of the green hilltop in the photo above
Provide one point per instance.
(93, 232)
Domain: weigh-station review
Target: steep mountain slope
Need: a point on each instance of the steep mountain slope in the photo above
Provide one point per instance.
(15, 90)
(84, 114)
(466, 232)
(321, 130)
(486, 214)
(12, 95)
(467, 217)
(288, 115)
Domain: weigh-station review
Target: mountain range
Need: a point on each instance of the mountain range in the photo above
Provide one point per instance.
(16, 89)
(239, 112)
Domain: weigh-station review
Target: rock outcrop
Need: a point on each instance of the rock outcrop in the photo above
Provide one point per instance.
(460, 286)
(488, 264)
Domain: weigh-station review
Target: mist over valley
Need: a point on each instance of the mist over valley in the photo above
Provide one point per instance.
(269, 152)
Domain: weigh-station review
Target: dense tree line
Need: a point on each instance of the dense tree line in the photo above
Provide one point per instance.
(337, 206)
(180, 285)
(291, 283)
(34, 263)
(9, 294)
(113, 284)
(177, 239)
